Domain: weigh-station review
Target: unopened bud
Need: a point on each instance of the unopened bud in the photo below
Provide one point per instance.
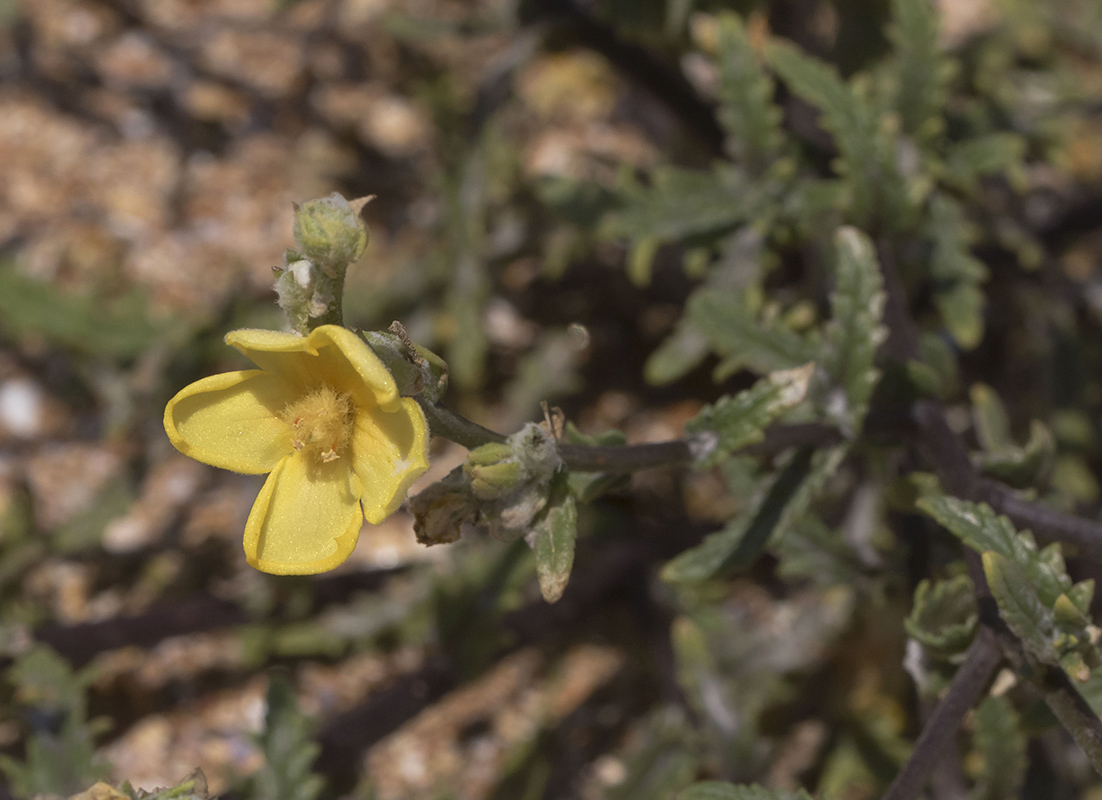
(494, 481)
(330, 232)
(489, 454)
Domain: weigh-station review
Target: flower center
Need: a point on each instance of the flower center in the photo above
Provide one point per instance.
(321, 423)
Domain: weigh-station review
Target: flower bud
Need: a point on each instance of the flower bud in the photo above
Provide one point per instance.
(330, 232)
(488, 454)
(494, 481)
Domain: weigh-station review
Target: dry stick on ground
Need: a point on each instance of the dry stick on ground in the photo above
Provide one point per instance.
(947, 453)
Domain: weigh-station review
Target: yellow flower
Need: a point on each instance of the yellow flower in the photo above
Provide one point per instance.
(323, 416)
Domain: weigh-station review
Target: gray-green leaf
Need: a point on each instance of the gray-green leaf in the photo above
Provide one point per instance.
(552, 540)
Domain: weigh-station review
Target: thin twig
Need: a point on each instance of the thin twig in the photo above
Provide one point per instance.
(968, 686)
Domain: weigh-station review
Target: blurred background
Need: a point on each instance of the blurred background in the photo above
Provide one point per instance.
(150, 152)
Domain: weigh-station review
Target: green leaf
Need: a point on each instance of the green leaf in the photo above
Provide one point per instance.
(744, 537)
(1081, 594)
(59, 758)
(746, 108)
(85, 530)
(726, 321)
(588, 486)
(736, 274)
(1034, 593)
(641, 260)
(982, 530)
(939, 357)
(918, 63)
(855, 330)
(961, 308)
(680, 353)
(948, 228)
(1023, 466)
(845, 114)
(812, 550)
(288, 747)
(944, 616)
(663, 757)
(999, 742)
(717, 790)
(1020, 606)
(815, 206)
(956, 271)
(994, 154)
(681, 203)
(582, 203)
(990, 418)
(85, 323)
(734, 422)
(552, 540)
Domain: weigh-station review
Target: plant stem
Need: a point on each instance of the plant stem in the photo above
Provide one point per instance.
(1047, 523)
(967, 687)
(455, 428)
(1067, 704)
(626, 458)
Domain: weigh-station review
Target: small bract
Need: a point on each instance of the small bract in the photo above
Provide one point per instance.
(323, 416)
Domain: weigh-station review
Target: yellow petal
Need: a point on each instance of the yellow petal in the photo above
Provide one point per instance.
(390, 452)
(231, 420)
(306, 519)
(329, 355)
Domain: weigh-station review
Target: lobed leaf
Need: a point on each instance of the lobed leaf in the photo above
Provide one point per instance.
(746, 108)
(957, 273)
(1020, 606)
(845, 114)
(917, 61)
(982, 530)
(993, 154)
(944, 616)
(680, 203)
(855, 331)
(734, 422)
(727, 322)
